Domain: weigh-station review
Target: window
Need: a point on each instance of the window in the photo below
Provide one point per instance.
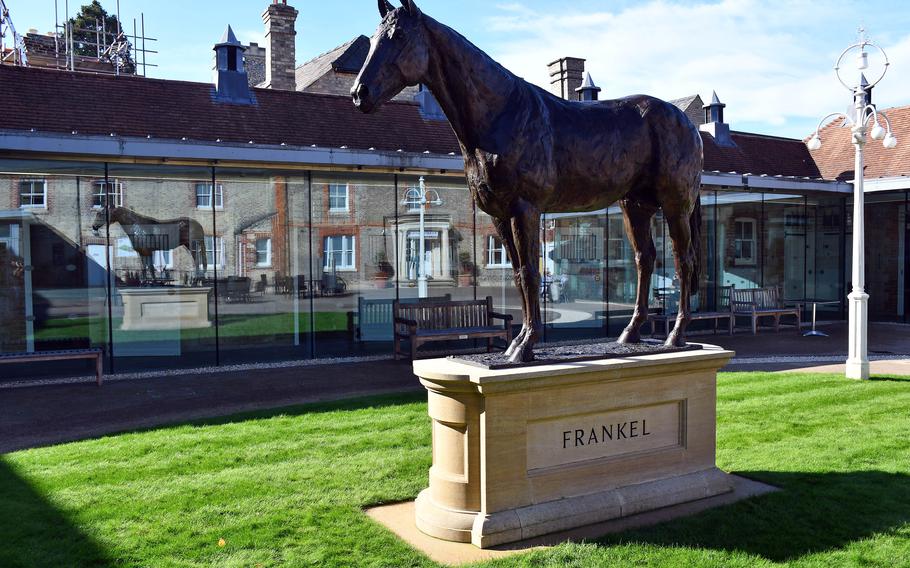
(33, 194)
(211, 252)
(204, 196)
(497, 257)
(338, 197)
(339, 253)
(112, 188)
(744, 242)
(263, 252)
(163, 259)
(413, 199)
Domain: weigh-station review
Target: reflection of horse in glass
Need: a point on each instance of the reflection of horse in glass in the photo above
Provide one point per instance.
(148, 235)
(527, 151)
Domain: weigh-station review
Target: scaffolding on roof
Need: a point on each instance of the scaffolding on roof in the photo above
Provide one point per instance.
(127, 53)
(13, 53)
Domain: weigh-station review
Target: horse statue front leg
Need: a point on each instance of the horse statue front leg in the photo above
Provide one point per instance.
(525, 239)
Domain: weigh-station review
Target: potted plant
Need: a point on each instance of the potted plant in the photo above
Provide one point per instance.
(384, 270)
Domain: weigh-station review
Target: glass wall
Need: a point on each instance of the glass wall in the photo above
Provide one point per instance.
(166, 266)
(886, 255)
(53, 282)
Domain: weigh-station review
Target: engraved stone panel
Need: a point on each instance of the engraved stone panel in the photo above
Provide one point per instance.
(166, 310)
(608, 434)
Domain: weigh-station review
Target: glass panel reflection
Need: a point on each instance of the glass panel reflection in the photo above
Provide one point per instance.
(52, 278)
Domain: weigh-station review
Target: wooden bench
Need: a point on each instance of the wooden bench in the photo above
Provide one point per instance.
(756, 303)
(374, 316)
(724, 311)
(425, 321)
(69, 354)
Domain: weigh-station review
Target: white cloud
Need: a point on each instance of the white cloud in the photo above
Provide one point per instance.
(770, 62)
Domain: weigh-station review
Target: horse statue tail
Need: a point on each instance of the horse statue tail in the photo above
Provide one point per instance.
(695, 243)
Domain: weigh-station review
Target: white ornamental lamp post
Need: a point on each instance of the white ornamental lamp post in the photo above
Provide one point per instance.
(859, 118)
(420, 197)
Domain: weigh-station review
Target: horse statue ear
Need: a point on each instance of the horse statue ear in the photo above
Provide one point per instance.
(385, 7)
(410, 7)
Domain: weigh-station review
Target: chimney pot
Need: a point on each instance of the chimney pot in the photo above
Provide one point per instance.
(566, 75)
(280, 67)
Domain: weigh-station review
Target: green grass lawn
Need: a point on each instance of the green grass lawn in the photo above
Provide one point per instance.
(231, 327)
(286, 488)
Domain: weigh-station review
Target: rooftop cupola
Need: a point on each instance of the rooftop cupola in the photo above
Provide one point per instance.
(714, 122)
(231, 84)
(588, 92)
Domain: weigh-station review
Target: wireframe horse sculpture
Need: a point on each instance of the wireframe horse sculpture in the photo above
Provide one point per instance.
(527, 151)
(148, 234)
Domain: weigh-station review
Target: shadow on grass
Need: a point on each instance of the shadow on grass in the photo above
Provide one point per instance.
(343, 405)
(35, 533)
(814, 512)
(890, 378)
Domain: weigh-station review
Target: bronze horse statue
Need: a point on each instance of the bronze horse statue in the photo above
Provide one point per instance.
(527, 151)
(148, 234)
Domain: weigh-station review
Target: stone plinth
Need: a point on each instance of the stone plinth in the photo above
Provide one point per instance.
(165, 308)
(523, 452)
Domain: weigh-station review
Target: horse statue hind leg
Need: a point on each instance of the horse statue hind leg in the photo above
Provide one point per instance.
(685, 234)
(637, 221)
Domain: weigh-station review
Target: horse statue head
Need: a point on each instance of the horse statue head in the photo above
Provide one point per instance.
(399, 56)
(100, 220)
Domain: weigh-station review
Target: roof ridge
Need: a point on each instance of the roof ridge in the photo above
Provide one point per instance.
(333, 50)
(769, 136)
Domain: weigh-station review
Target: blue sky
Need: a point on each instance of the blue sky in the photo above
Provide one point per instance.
(769, 61)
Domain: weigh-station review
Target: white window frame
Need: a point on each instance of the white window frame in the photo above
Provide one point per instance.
(207, 195)
(268, 252)
(348, 245)
(497, 249)
(163, 260)
(739, 260)
(347, 198)
(413, 206)
(32, 193)
(98, 191)
(215, 255)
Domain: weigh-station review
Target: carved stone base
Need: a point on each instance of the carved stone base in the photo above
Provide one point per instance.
(523, 452)
(165, 308)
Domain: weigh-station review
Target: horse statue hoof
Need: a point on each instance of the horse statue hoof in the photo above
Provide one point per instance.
(522, 355)
(629, 337)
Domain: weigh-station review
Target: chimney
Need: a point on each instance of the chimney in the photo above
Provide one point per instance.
(231, 83)
(714, 122)
(280, 63)
(588, 92)
(566, 76)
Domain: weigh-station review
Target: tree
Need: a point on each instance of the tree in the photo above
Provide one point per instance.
(92, 24)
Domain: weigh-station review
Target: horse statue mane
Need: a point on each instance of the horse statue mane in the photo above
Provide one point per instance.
(527, 152)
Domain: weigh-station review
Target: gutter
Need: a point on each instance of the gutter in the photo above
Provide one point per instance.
(774, 183)
(128, 147)
(885, 184)
(77, 145)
